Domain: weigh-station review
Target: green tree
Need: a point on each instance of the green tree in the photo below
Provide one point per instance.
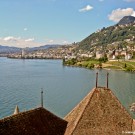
(118, 57)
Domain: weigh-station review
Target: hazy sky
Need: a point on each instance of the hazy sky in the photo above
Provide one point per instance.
(39, 22)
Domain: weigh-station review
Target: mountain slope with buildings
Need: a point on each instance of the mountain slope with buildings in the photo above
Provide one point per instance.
(121, 34)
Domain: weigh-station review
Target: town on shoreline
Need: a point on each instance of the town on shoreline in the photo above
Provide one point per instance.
(118, 59)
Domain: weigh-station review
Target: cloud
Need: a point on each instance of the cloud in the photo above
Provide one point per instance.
(25, 29)
(56, 41)
(19, 42)
(85, 9)
(29, 40)
(51, 41)
(101, 0)
(119, 13)
(10, 38)
(15, 39)
(129, 0)
(133, 14)
(65, 42)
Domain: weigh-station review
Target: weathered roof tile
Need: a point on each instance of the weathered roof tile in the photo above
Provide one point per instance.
(34, 122)
(99, 113)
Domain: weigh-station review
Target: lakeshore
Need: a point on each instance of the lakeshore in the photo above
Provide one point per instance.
(120, 65)
(21, 82)
(102, 64)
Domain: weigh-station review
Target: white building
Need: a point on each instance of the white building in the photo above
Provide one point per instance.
(99, 55)
(128, 56)
(23, 52)
(113, 57)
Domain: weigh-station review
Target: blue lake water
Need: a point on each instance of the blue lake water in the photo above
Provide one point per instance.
(64, 87)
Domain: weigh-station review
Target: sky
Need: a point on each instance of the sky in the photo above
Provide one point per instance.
(31, 23)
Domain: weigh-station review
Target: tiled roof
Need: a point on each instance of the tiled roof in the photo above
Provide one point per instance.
(34, 122)
(99, 113)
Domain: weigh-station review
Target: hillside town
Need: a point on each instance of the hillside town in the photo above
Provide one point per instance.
(69, 52)
(110, 48)
(114, 42)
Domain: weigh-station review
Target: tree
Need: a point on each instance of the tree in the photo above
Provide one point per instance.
(100, 65)
(125, 65)
(118, 57)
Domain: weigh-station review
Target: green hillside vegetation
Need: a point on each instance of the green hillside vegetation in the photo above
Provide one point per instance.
(113, 34)
(123, 65)
(85, 62)
(117, 40)
(101, 63)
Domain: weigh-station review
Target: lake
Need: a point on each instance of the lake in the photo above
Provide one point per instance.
(64, 87)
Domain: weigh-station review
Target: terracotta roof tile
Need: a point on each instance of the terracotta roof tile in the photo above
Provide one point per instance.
(99, 113)
(34, 122)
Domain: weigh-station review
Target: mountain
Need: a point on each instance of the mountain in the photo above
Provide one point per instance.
(7, 49)
(44, 47)
(117, 34)
(126, 20)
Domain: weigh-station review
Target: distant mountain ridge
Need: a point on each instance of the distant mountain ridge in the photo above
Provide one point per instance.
(8, 49)
(126, 20)
(44, 47)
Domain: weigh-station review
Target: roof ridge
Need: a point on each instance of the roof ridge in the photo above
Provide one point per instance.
(21, 113)
(122, 107)
(79, 103)
(80, 115)
(92, 92)
(37, 121)
(28, 112)
(86, 112)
